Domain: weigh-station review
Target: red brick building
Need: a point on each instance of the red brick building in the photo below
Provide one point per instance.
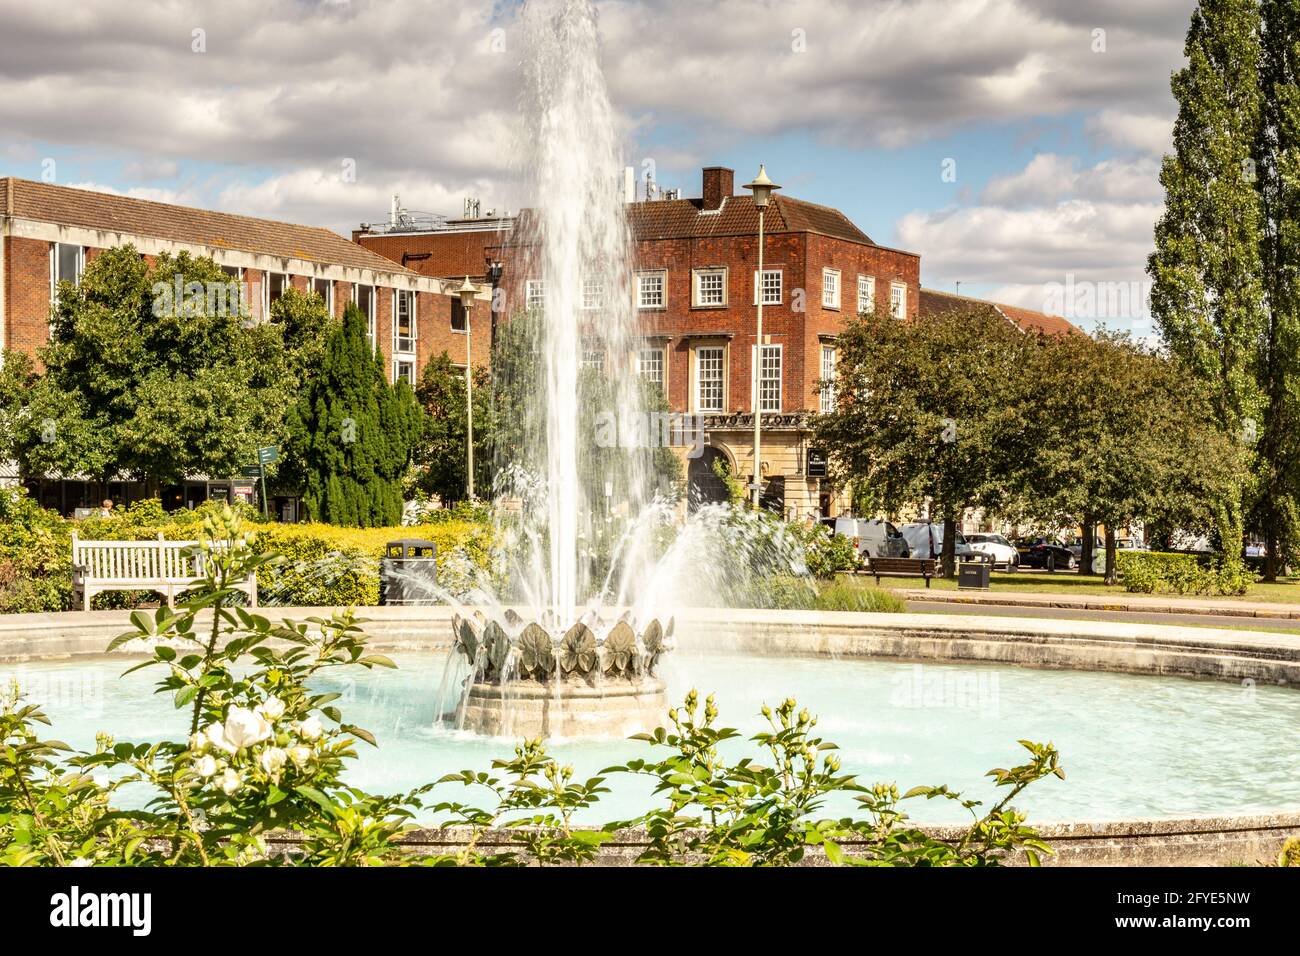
(695, 290)
(49, 233)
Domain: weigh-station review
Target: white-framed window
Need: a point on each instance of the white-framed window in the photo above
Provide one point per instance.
(593, 358)
(67, 263)
(769, 379)
(830, 288)
(770, 286)
(650, 292)
(274, 285)
(535, 294)
(364, 297)
(866, 295)
(325, 289)
(593, 294)
(898, 300)
(710, 377)
(404, 371)
(650, 364)
(458, 317)
(403, 320)
(710, 287)
(828, 378)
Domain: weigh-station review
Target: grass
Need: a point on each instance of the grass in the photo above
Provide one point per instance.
(1282, 591)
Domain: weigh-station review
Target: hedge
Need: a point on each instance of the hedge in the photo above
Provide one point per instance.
(323, 565)
(328, 566)
(1161, 572)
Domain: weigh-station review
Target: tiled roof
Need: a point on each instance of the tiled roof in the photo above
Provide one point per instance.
(686, 219)
(934, 302)
(45, 202)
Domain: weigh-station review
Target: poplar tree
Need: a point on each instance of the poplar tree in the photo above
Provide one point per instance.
(1208, 292)
(354, 433)
(1277, 159)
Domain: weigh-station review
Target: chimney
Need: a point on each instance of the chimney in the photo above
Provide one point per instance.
(719, 183)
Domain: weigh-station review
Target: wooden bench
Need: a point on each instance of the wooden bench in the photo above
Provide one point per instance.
(903, 568)
(164, 566)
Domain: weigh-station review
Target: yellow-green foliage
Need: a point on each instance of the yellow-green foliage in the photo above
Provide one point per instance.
(323, 565)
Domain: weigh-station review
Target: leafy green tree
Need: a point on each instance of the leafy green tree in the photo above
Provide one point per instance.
(441, 450)
(155, 373)
(355, 432)
(933, 410)
(1208, 294)
(1119, 433)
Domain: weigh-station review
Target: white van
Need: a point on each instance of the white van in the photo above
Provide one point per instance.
(872, 538)
(925, 540)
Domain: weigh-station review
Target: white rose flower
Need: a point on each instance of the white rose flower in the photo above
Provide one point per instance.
(230, 782)
(311, 728)
(245, 727)
(272, 760)
(272, 708)
(82, 861)
(198, 742)
(206, 765)
(300, 755)
(217, 738)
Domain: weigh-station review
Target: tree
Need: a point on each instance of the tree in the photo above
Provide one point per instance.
(355, 432)
(441, 450)
(931, 409)
(1120, 433)
(153, 373)
(1277, 160)
(1208, 294)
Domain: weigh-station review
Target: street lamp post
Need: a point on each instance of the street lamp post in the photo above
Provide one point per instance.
(762, 188)
(467, 293)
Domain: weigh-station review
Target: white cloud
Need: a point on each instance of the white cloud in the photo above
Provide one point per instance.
(1048, 225)
(1144, 132)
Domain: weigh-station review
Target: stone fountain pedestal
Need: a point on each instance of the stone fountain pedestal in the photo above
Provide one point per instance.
(592, 680)
(565, 709)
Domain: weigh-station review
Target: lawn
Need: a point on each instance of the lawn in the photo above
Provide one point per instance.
(1284, 590)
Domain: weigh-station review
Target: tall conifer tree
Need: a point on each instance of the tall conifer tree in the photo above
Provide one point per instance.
(355, 433)
(1208, 293)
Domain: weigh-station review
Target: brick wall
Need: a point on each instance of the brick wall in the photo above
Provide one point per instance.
(448, 254)
(27, 293)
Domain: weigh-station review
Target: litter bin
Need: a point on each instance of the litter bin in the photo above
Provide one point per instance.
(973, 575)
(408, 572)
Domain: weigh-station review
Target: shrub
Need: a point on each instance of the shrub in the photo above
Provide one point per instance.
(825, 553)
(1159, 572)
(325, 566)
(35, 555)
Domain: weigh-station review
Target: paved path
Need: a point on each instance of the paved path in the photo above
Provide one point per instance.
(1129, 603)
(1077, 614)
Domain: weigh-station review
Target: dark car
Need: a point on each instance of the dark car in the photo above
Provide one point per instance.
(1046, 554)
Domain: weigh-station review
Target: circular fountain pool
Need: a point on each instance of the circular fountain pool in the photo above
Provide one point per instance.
(1132, 746)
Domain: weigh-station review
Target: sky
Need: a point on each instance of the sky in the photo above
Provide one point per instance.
(1014, 144)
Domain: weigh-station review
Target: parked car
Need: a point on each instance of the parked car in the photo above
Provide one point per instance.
(925, 540)
(1047, 554)
(1099, 552)
(999, 549)
(872, 538)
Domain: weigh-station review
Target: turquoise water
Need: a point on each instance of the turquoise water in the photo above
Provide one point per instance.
(1131, 746)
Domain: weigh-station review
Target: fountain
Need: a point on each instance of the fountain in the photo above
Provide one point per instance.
(580, 660)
